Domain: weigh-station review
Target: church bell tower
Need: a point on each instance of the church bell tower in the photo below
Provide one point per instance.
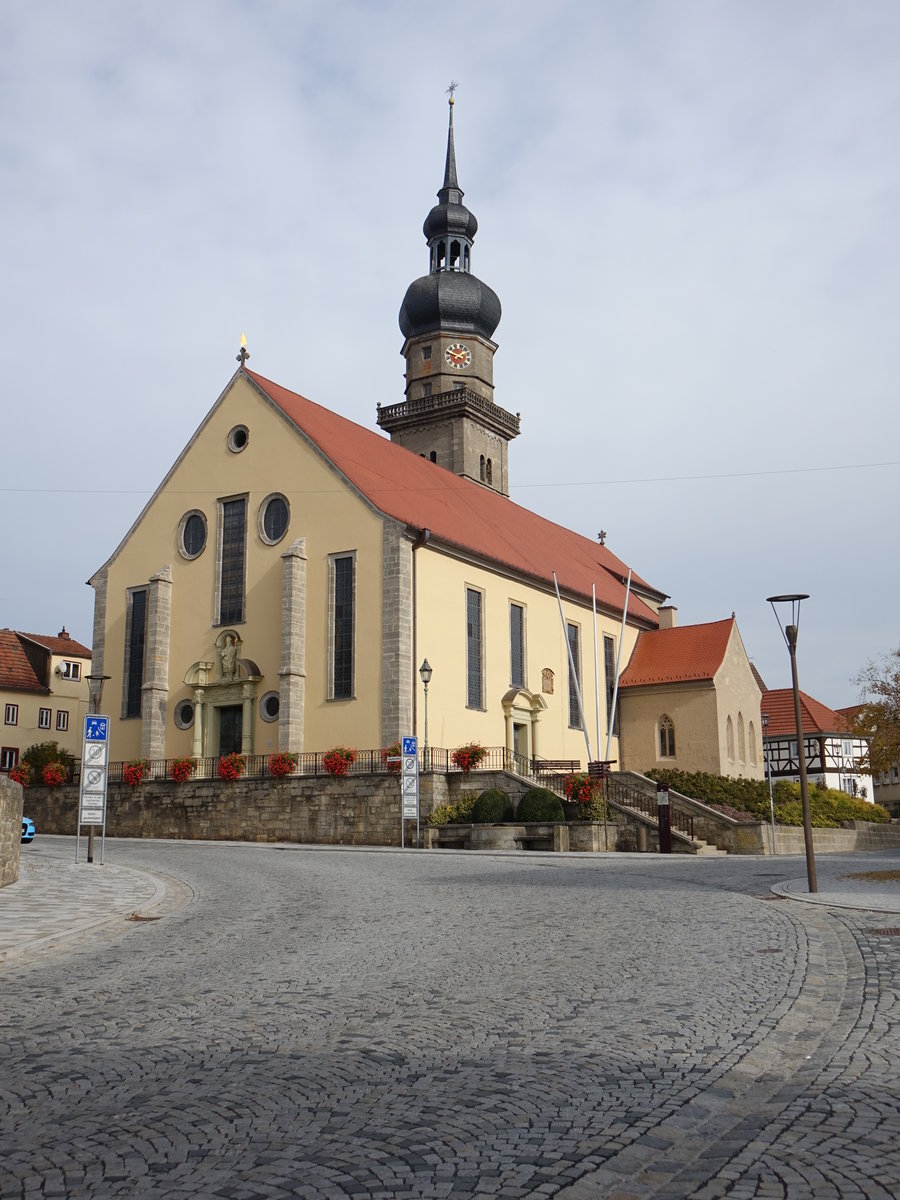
(447, 319)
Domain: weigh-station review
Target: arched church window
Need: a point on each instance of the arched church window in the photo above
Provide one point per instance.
(433, 456)
(482, 468)
(742, 745)
(666, 736)
(752, 734)
(729, 738)
(489, 472)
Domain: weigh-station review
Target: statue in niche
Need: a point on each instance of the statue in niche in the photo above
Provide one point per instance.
(229, 657)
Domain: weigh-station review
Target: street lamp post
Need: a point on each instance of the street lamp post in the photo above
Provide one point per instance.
(765, 725)
(425, 672)
(789, 632)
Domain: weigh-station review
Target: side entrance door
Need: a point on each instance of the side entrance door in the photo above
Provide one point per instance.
(230, 728)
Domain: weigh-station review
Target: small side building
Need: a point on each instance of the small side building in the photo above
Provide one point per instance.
(689, 701)
(43, 692)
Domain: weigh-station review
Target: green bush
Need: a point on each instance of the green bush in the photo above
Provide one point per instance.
(41, 754)
(828, 807)
(459, 813)
(540, 804)
(492, 806)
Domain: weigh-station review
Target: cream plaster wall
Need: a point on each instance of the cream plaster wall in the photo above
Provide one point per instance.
(738, 695)
(441, 638)
(322, 509)
(693, 711)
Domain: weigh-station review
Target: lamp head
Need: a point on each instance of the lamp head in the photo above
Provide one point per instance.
(425, 672)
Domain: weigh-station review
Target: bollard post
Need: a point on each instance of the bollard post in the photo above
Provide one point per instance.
(662, 816)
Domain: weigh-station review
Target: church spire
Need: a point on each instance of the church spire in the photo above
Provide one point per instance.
(451, 192)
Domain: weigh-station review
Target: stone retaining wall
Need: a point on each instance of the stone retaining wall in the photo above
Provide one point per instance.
(10, 829)
(359, 810)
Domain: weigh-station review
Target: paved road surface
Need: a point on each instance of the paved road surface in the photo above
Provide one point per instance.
(374, 1024)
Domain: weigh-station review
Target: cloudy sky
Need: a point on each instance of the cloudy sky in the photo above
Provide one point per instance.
(689, 211)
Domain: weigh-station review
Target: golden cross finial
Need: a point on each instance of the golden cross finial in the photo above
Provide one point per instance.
(244, 352)
(451, 89)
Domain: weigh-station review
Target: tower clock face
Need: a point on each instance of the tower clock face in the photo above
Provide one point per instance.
(458, 355)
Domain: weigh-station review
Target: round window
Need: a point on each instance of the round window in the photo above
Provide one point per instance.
(192, 535)
(274, 516)
(270, 706)
(238, 438)
(184, 714)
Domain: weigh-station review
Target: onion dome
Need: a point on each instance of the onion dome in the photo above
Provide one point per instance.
(450, 297)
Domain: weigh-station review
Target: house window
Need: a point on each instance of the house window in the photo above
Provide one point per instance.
(474, 643)
(609, 673)
(62, 720)
(232, 554)
(426, 353)
(43, 718)
(573, 634)
(11, 715)
(9, 757)
(426, 389)
(341, 599)
(517, 645)
(70, 670)
(135, 640)
(666, 737)
(895, 774)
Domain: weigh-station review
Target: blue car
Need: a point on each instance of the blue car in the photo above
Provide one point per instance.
(27, 829)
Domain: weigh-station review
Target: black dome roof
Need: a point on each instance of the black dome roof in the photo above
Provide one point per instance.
(450, 219)
(451, 300)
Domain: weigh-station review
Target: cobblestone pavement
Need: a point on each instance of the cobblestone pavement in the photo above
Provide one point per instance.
(373, 1024)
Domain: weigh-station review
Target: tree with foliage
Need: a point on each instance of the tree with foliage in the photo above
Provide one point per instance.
(42, 753)
(878, 718)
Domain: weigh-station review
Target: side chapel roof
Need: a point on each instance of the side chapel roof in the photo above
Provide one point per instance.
(814, 716)
(458, 512)
(683, 654)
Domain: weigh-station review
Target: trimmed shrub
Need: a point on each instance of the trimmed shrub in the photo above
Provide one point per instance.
(492, 806)
(540, 804)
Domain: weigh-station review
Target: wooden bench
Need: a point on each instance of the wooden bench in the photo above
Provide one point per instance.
(556, 766)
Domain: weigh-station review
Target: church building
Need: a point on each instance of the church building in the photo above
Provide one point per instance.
(292, 570)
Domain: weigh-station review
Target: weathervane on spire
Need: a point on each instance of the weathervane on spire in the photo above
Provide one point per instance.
(451, 89)
(244, 352)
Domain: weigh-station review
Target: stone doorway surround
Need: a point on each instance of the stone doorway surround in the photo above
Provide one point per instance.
(522, 708)
(231, 680)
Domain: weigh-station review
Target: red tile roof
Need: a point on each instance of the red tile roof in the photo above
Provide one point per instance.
(458, 512)
(814, 717)
(63, 644)
(16, 672)
(687, 653)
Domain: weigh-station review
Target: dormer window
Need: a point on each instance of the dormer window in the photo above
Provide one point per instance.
(70, 670)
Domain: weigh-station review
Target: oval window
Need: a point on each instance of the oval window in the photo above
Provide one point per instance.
(270, 706)
(192, 541)
(238, 438)
(274, 519)
(184, 714)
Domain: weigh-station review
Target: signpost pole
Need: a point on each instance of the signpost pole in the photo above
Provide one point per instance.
(409, 786)
(92, 791)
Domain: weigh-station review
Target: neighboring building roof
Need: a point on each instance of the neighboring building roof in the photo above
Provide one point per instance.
(16, 672)
(63, 644)
(814, 717)
(684, 654)
(458, 512)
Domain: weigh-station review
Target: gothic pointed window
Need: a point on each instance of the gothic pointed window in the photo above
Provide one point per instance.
(481, 467)
(742, 745)
(729, 738)
(666, 736)
(489, 471)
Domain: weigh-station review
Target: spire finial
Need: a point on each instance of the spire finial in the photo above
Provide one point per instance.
(451, 89)
(244, 353)
(450, 180)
